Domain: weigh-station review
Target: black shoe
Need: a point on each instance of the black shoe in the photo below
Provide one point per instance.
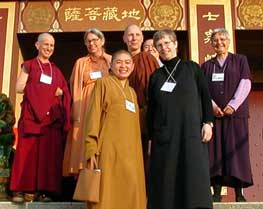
(240, 198)
(217, 198)
(44, 198)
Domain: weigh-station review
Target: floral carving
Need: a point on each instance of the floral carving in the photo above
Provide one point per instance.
(38, 17)
(166, 15)
(251, 13)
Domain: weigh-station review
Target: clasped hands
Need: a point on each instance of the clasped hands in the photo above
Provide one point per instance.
(227, 111)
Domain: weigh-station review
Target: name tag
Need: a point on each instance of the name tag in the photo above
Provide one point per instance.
(218, 76)
(95, 75)
(45, 79)
(129, 106)
(168, 86)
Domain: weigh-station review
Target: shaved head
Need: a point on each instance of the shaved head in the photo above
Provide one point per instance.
(133, 38)
(132, 27)
(41, 37)
(45, 45)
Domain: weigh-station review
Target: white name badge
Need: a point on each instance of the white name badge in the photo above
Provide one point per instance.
(45, 79)
(168, 86)
(129, 106)
(95, 75)
(218, 76)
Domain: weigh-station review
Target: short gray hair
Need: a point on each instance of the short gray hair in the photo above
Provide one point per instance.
(94, 31)
(41, 36)
(162, 33)
(221, 31)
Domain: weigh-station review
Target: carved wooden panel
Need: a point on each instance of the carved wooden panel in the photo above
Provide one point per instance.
(249, 14)
(107, 15)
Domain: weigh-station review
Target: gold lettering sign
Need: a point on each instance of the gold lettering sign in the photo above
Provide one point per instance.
(92, 13)
(210, 16)
(209, 56)
(107, 16)
(110, 13)
(131, 14)
(73, 14)
(208, 36)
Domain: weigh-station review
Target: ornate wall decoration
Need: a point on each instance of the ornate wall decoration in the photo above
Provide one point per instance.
(21, 28)
(147, 25)
(166, 14)
(38, 16)
(56, 26)
(250, 14)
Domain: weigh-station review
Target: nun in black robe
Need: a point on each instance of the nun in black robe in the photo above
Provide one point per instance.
(180, 123)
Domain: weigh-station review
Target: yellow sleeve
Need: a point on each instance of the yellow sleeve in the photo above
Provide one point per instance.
(95, 110)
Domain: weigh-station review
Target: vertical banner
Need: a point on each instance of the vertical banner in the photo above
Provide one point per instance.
(209, 18)
(204, 16)
(3, 24)
(7, 24)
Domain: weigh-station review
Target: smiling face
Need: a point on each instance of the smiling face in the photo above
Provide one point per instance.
(133, 38)
(220, 43)
(122, 65)
(94, 44)
(149, 47)
(45, 46)
(166, 47)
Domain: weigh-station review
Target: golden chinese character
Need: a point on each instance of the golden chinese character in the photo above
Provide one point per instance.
(110, 14)
(210, 16)
(92, 13)
(73, 14)
(208, 36)
(131, 14)
(209, 56)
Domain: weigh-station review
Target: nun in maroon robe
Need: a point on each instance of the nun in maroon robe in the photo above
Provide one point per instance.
(44, 119)
(229, 82)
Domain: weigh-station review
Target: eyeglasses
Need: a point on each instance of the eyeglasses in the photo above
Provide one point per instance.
(94, 40)
(164, 44)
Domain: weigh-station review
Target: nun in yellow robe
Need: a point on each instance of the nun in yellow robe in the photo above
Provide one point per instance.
(113, 133)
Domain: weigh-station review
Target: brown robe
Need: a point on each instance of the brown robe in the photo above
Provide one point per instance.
(144, 65)
(117, 131)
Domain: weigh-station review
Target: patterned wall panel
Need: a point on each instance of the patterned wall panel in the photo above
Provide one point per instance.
(166, 14)
(249, 14)
(38, 16)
